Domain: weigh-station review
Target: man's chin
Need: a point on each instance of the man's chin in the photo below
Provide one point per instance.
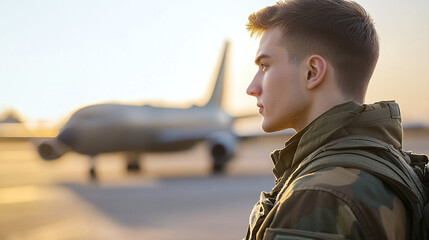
(269, 128)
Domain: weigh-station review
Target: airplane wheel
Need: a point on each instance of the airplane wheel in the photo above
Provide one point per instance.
(133, 162)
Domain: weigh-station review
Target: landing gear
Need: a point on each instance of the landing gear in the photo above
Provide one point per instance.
(220, 158)
(219, 164)
(218, 167)
(133, 162)
(92, 172)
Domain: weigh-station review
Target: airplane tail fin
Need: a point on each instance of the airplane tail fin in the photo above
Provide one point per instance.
(217, 95)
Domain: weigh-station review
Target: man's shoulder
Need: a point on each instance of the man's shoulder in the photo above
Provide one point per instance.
(346, 195)
(349, 184)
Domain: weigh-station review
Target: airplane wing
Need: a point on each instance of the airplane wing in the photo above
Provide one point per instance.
(14, 131)
(20, 132)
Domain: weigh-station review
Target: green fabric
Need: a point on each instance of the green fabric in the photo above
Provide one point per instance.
(309, 201)
(342, 120)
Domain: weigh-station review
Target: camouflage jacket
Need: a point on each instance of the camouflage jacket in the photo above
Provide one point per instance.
(336, 202)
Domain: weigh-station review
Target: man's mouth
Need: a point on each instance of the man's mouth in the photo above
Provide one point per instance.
(261, 108)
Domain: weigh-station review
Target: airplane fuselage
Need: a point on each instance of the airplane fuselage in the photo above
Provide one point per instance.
(114, 127)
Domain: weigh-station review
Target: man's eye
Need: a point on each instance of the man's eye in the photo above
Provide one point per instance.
(264, 67)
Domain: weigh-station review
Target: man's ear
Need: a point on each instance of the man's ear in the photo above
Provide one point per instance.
(316, 70)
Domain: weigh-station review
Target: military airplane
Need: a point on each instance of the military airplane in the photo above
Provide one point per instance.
(136, 130)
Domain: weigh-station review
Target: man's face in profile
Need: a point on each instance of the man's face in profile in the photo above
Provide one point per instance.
(279, 84)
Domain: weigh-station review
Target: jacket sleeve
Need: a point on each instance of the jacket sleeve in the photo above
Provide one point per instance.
(338, 204)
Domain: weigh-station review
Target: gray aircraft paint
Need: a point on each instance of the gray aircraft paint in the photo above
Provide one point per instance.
(106, 128)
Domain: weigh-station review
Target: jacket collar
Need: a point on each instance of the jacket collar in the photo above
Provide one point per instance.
(349, 118)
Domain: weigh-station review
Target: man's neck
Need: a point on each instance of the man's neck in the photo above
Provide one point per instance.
(318, 107)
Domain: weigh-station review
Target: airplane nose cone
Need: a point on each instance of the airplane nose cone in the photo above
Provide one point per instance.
(69, 136)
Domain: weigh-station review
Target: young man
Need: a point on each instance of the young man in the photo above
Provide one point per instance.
(315, 60)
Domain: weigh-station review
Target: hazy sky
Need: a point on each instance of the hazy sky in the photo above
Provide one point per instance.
(57, 56)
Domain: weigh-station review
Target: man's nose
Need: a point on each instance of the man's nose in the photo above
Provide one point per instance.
(254, 89)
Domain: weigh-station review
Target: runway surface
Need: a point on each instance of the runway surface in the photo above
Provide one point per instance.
(174, 197)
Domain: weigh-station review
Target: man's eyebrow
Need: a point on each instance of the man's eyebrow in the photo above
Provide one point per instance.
(258, 59)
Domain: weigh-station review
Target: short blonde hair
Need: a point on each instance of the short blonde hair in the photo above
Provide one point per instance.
(340, 31)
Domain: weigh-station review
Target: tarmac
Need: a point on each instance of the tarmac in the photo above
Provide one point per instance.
(173, 197)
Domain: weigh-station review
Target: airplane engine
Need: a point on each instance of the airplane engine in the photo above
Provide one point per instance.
(222, 149)
(52, 149)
